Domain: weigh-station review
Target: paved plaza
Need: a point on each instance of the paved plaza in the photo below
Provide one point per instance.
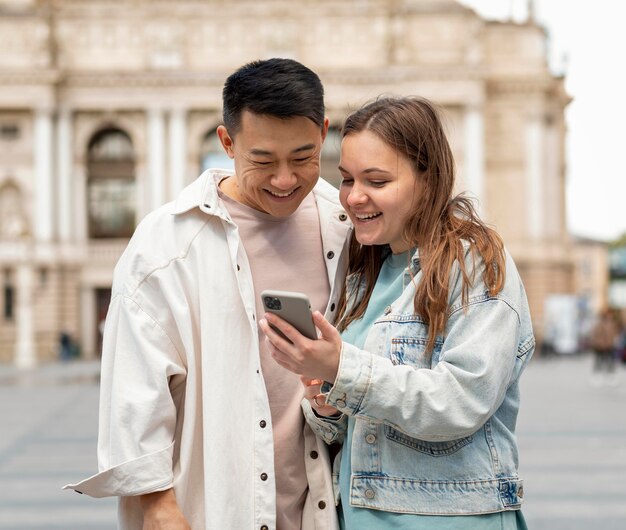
(572, 435)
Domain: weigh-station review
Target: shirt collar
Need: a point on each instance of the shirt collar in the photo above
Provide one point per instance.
(202, 193)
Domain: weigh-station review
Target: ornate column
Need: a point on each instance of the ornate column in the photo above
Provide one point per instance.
(43, 188)
(64, 176)
(534, 176)
(156, 157)
(88, 321)
(475, 154)
(25, 346)
(178, 151)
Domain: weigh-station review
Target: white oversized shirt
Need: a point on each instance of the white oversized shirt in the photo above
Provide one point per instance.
(183, 403)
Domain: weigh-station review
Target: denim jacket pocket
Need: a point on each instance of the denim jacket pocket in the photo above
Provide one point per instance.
(430, 448)
(411, 351)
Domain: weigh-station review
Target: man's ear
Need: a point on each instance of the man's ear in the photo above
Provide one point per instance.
(226, 141)
(325, 129)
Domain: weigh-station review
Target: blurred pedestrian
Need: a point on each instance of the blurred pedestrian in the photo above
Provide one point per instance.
(65, 346)
(422, 386)
(604, 342)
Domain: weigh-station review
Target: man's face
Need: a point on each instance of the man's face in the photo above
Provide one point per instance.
(277, 161)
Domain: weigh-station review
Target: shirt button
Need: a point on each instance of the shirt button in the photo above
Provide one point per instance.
(370, 438)
(330, 254)
(332, 307)
(341, 403)
(263, 424)
(263, 476)
(369, 494)
(328, 436)
(238, 268)
(321, 505)
(342, 216)
(314, 455)
(387, 310)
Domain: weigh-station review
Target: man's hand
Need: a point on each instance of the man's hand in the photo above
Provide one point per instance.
(161, 512)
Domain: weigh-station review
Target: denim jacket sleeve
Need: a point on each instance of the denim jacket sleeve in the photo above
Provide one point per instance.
(477, 363)
(330, 429)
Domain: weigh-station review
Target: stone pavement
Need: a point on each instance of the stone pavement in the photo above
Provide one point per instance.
(572, 437)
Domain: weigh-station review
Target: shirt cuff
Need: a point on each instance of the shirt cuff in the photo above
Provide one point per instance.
(146, 474)
(352, 381)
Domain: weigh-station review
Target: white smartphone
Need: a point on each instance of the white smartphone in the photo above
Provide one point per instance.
(295, 308)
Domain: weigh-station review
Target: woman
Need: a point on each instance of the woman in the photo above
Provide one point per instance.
(422, 384)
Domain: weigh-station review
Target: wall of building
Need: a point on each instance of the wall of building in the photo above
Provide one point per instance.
(154, 70)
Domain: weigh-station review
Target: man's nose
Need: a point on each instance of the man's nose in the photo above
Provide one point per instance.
(284, 178)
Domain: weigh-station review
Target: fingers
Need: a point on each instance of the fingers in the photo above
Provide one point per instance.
(291, 333)
(328, 330)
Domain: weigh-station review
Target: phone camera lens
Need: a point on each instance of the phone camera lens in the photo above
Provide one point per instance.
(271, 302)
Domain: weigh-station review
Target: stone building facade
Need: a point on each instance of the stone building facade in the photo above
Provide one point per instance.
(108, 108)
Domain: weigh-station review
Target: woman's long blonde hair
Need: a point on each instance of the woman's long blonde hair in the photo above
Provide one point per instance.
(439, 223)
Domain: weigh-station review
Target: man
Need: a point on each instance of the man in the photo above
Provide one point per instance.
(199, 427)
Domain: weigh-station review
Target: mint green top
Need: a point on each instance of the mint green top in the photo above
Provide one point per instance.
(388, 288)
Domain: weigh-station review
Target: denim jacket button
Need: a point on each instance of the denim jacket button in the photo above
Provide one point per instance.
(369, 494)
(370, 438)
(341, 403)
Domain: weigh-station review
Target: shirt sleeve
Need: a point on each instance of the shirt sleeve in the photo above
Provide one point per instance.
(450, 401)
(138, 413)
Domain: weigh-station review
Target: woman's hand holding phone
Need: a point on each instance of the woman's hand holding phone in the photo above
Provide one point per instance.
(313, 359)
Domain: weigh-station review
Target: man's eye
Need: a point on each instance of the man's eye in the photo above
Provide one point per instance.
(259, 163)
(305, 159)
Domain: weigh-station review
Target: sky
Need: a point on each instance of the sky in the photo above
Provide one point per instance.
(587, 41)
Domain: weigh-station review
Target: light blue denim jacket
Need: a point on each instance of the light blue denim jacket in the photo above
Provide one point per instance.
(435, 435)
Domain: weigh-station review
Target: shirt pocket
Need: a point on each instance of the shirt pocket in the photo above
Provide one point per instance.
(444, 448)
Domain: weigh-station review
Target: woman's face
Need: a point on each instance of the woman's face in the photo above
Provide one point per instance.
(379, 190)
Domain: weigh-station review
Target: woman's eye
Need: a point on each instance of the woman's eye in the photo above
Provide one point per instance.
(346, 182)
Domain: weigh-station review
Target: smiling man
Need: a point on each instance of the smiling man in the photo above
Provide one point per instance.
(199, 427)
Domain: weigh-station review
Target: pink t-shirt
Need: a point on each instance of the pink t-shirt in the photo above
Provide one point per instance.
(284, 254)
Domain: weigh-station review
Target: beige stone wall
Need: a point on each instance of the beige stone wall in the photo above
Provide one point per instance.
(71, 68)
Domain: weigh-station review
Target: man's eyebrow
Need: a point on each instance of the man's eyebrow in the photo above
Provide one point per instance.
(306, 147)
(263, 152)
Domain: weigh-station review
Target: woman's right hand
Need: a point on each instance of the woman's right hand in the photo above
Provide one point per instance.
(312, 388)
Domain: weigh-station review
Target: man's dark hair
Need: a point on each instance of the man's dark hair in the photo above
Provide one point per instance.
(283, 88)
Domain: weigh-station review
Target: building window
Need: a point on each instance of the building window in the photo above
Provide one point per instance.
(9, 131)
(212, 154)
(8, 296)
(111, 185)
(12, 218)
(331, 152)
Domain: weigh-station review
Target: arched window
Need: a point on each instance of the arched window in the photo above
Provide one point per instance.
(212, 153)
(111, 185)
(331, 151)
(12, 219)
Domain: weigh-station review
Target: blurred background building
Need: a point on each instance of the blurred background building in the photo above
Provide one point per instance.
(109, 108)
